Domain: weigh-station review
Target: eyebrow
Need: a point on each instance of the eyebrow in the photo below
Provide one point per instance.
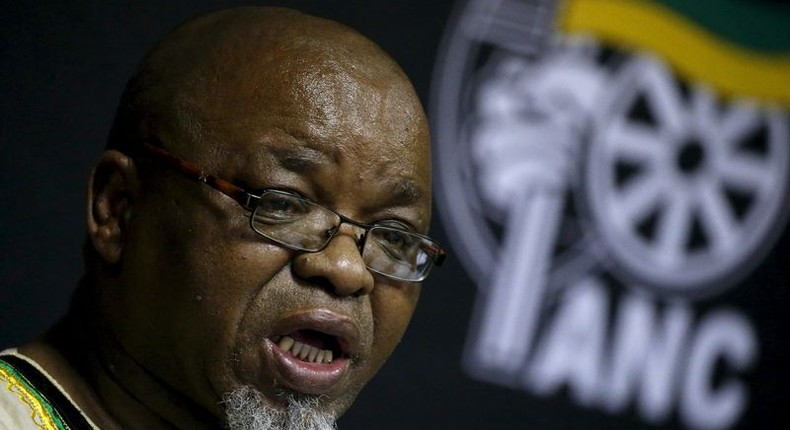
(405, 192)
(299, 160)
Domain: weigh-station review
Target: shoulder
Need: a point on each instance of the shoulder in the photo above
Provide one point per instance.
(31, 399)
(22, 406)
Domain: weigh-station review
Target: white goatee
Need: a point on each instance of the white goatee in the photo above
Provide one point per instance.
(246, 410)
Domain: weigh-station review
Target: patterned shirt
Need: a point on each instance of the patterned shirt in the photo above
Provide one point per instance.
(31, 399)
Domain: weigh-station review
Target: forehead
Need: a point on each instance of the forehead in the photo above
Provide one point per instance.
(330, 82)
(311, 111)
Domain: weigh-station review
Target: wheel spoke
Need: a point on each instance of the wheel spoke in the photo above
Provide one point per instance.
(747, 173)
(737, 122)
(717, 217)
(673, 229)
(664, 97)
(637, 200)
(703, 108)
(635, 143)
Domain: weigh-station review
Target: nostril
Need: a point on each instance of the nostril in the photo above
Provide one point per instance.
(339, 268)
(338, 290)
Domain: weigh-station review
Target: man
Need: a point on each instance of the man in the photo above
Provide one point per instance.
(255, 236)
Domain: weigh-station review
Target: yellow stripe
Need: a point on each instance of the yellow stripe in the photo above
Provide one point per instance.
(696, 54)
(40, 416)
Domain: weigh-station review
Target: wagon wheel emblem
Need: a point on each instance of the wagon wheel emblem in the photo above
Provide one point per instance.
(686, 191)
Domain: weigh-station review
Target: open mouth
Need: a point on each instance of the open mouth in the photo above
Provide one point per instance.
(310, 346)
(313, 351)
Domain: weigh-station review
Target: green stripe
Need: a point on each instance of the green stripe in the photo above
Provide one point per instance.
(41, 399)
(756, 25)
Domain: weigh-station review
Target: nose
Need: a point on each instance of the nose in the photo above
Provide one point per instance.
(339, 266)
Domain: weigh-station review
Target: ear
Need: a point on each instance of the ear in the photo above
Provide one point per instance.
(113, 187)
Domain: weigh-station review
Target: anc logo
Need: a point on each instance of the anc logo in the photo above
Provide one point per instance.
(598, 149)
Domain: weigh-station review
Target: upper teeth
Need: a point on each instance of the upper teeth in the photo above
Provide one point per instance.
(305, 352)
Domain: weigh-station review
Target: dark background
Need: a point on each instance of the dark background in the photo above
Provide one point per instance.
(64, 65)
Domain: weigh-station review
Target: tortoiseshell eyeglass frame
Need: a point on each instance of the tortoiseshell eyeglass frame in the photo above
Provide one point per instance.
(249, 201)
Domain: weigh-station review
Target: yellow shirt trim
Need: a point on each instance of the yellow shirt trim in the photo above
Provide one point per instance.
(40, 413)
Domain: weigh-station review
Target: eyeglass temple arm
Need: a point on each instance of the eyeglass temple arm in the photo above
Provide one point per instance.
(436, 250)
(194, 172)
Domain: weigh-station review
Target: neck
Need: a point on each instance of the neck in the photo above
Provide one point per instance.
(124, 388)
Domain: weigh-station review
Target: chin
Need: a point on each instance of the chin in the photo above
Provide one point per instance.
(246, 409)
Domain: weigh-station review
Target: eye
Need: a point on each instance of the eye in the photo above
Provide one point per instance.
(276, 206)
(393, 238)
(398, 244)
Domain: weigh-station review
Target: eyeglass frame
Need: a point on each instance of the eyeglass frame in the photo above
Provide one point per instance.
(247, 200)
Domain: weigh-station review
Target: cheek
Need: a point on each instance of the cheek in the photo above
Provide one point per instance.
(199, 276)
(393, 307)
(221, 331)
(225, 290)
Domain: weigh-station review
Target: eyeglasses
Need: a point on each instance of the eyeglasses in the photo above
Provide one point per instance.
(303, 225)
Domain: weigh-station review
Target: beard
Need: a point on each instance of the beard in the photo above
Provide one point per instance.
(246, 409)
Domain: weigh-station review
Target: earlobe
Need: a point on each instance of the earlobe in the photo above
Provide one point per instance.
(112, 188)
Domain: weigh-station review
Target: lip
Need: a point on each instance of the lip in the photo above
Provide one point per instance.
(313, 378)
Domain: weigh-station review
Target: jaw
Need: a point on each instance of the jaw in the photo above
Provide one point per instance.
(317, 353)
(246, 409)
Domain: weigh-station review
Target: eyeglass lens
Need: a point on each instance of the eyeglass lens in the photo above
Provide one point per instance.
(305, 225)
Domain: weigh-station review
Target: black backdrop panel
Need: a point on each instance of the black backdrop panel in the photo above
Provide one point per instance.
(64, 65)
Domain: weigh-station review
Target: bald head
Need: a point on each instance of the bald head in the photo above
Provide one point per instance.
(215, 63)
